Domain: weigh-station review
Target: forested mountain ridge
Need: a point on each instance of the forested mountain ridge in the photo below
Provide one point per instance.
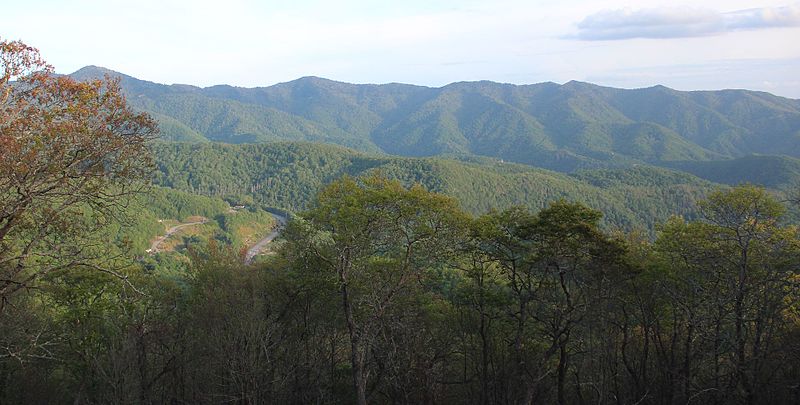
(561, 127)
(288, 175)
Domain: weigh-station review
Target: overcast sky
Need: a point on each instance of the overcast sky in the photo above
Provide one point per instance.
(635, 43)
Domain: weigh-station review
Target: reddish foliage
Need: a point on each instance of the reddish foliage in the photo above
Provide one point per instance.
(63, 144)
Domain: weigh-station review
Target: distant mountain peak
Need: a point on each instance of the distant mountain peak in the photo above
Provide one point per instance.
(577, 83)
(316, 80)
(95, 72)
(660, 88)
(313, 79)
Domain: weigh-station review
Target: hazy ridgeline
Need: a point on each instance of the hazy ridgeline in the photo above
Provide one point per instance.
(558, 127)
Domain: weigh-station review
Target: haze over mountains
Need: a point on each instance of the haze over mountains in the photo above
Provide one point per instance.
(559, 127)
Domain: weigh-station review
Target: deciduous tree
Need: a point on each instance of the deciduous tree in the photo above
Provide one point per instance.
(70, 154)
(375, 240)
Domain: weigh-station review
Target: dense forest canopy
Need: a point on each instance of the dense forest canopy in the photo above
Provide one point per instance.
(382, 293)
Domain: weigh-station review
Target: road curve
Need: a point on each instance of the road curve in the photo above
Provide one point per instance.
(258, 247)
(154, 246)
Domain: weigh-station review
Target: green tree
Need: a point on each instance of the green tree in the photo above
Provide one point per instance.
(555, 264)
(734, 278)
(375, 240)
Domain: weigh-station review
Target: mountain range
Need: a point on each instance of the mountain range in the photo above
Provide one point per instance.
(559, 127)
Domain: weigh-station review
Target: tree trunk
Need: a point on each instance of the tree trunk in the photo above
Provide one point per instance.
(356, 352)
(521, 367)
(741, 377)
(484, 361)
(562, 372)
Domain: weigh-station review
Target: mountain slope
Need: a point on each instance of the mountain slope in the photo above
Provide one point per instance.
(288, 175)
(779, 172)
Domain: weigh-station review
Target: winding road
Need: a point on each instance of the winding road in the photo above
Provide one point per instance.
(262, 244)
(154, 246)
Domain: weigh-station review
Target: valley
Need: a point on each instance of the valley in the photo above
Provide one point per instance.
(154, 247)
(261, 245)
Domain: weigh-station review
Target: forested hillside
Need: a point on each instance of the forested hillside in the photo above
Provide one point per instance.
(560, 127)
(781, 172)
(288, 176)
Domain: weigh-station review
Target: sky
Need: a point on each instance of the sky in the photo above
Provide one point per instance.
(719, 44)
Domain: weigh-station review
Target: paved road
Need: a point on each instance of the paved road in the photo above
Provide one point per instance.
(170, 231)
(262, 244)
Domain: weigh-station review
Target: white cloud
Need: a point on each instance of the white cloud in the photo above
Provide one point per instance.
(681, 22)
(770, 17)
